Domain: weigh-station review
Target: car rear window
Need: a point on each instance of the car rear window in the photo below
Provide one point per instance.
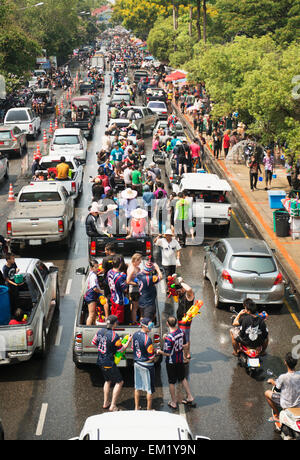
(208, 197)
(157, 105)
(17, 115)
(5, 135)
(81, 103)
(66, 140)
(250, 264)
(39, 197)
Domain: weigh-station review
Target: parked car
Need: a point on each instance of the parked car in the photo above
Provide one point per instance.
(159, 108)
(137, 425)
(240, 268)
(4, 167)
(44, 212)
(39, 298)
(69, 141)
(25, 119)
(12, 140)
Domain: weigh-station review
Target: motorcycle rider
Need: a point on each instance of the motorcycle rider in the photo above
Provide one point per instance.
(289, 386)
(249, 329)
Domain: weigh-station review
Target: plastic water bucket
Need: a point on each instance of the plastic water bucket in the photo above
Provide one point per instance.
(4, 306)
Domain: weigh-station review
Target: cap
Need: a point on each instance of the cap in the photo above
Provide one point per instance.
(149, 267)
(168, 232)
(111, 320)
(147, 322)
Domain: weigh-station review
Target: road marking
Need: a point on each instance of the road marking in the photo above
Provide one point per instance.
(293, 315)
(58, 336)
(239, 224)
(182, 410)
(40, 426)
(68, 288)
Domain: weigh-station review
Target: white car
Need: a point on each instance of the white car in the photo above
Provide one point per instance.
(25, 119)
(136, 425)
(70, 141)
(4, 167)
(159, 108)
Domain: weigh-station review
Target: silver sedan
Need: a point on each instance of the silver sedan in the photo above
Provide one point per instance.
(243, 268)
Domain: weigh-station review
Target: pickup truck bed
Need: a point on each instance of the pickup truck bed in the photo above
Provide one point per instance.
(126, 247)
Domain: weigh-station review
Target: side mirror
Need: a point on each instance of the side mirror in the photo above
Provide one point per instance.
(81, 271)
(53, 270)
(207, 248)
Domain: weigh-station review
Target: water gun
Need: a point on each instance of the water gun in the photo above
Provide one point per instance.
(263, 315)
(172, 288)
(192, 312)
(121, 355)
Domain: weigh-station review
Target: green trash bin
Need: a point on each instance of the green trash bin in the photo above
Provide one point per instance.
(281, 223)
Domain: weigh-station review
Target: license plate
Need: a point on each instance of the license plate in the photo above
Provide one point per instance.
(253, 362)
(206, 221)
(253, 296)
(35, 242)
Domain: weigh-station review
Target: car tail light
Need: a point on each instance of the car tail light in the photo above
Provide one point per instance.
(93, 248)
(29, 337)
(52, 147)
(92, 113)
(89, 125)
(148, 248)
(13, 137)
(226, 276)
(8, 228)
(298, 424)
(61, 227)
(229, 212)
(73, 185)
(279, 279)
(78, 338)
(156, 338)
(30, 128)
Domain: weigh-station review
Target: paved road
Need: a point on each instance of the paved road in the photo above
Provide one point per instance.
(51, 399)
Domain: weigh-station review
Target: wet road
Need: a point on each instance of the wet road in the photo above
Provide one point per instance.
(51, 399)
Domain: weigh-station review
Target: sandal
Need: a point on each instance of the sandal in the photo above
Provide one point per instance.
(171, 406)
(115, 410)
(189, 403)
(273, 420)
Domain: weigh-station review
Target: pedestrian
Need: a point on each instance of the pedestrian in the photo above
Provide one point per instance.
(144, 371)
(173, 351)
(147, 287)
(134, 293)
(269, 168)
(109, 343)
(182, 218)
(195, 155)
(217, 143)
(226, 142)
(92, 294)
(289, 170)
(186, 301)
(170, 252)
(160, 211)
(254, 169)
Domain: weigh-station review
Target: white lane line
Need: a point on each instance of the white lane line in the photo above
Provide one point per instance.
(40, 426)
(69, 286)
(58, 336)
(182, 410)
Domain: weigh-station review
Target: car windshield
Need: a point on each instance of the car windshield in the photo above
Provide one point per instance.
(157, 105)
(125, 97)
(4, 135)
(251, 264)
(40, 197)
(17, 115)
(66, 140)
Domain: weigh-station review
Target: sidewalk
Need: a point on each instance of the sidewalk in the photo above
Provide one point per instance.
(257, 208)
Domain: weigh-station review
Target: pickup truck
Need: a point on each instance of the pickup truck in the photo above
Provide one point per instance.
(74, 185)
(48, 97)
(144, 119)
(39, 298)
(85, 124)
(44, 212)
(209, 196)
(83, 350)
(25, 119)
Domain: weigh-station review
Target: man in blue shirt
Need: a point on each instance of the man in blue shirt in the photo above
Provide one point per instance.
(108, 343)
(173, 350)
(117, 155)
(143, 355)
(147, 287)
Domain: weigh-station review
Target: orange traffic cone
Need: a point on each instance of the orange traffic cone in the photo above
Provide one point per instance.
(38, 150)
(62, 105)
(11, 196)
(56, 124)
(45, 140)
(51, 128)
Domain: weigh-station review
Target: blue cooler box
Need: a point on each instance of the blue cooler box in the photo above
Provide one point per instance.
(275, 197)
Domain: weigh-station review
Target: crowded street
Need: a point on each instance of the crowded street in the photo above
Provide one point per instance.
(51, 396)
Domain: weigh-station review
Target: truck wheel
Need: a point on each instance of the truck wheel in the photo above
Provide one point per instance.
(57, 299)
(226, 229)
(43, 350)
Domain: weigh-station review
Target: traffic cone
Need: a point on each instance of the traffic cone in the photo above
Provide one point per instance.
(11, 196)
(45, 140)
(56, 124)
(51, 128)
(38, 150)
(62, 105)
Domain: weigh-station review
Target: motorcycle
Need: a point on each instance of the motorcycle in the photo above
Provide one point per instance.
(289, 420)
(159, 156)
(249, 358)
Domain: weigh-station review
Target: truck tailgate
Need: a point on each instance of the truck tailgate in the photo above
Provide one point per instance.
(12, 338)
(211, 210)
(125, 247)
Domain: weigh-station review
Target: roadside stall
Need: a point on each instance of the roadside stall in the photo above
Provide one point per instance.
(292, 206)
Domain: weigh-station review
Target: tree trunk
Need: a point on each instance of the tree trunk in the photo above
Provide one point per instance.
(191, 22)
(175, 15)
(199, 19)
(204, 20)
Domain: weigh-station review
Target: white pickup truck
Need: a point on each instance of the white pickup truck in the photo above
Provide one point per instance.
(75, 183)
(39, 298)
(209, 195)
(25, 119)
(44, 212)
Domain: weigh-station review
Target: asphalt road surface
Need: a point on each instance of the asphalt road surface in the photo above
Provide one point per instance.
(51, 399)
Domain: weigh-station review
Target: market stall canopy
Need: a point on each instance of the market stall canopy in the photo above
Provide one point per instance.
(178, 75)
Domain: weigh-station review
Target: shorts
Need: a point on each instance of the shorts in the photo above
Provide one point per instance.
(111, 374)
(176, 373)
(91, 296)
(186, 329)
(196, 162)
(144, 378)
(276, 397)
(118, 311)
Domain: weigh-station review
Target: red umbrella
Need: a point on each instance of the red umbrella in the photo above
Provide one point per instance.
(176, 76)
